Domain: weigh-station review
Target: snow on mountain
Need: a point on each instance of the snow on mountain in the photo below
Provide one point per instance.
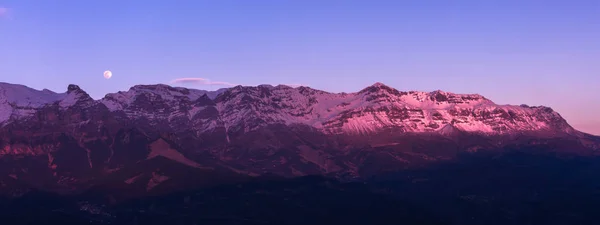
(123, 99)
(243, 108)
(162, 132)
(74, 96)
(19, 100)
(164, 106)
(378, 107)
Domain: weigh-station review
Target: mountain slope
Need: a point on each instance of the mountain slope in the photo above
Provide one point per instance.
(371, 109)
(68, 141)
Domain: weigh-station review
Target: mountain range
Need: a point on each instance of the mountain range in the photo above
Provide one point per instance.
(154, 139)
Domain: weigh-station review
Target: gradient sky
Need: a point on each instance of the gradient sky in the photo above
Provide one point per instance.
(544, 52)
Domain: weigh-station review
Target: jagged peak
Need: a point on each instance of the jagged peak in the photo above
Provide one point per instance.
(307, 105)
(308, 90)
(285, 86)
(380, 87)
(376, 87)
(163, 89)
(455, 94)
(379, 84)
(443, 96)
(265, 86)
(438, 91)
(168, 91)
(75, 95)
(73, 88)
(76, 90)
(153, 87)
(204, 100)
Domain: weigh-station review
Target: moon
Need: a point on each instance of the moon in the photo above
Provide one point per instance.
(107, 74)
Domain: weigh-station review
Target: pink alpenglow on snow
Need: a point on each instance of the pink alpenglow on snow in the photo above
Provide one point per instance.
(408, 46)
(371, 110)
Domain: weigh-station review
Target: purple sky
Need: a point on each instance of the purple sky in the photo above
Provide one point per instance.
(534, 52)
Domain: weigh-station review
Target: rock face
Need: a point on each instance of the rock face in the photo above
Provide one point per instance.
(149, 135)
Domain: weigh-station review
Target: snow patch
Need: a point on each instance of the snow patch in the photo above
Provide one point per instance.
(69, 100)
(19, 100)
(24, 96)
(248, 108)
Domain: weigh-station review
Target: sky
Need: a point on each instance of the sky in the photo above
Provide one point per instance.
(543, 52)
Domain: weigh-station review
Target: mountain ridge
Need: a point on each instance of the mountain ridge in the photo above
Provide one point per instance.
(377, 94)
(68, 141)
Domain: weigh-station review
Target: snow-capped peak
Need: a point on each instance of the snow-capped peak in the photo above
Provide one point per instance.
(378, 87)
(20, 95)
(245, 108)
(122, 99)
(376, 107)
(379, 84)
(75, 95)
(265, 86)
(19, 100)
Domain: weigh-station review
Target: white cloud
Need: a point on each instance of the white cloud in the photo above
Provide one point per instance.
(200, 81)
